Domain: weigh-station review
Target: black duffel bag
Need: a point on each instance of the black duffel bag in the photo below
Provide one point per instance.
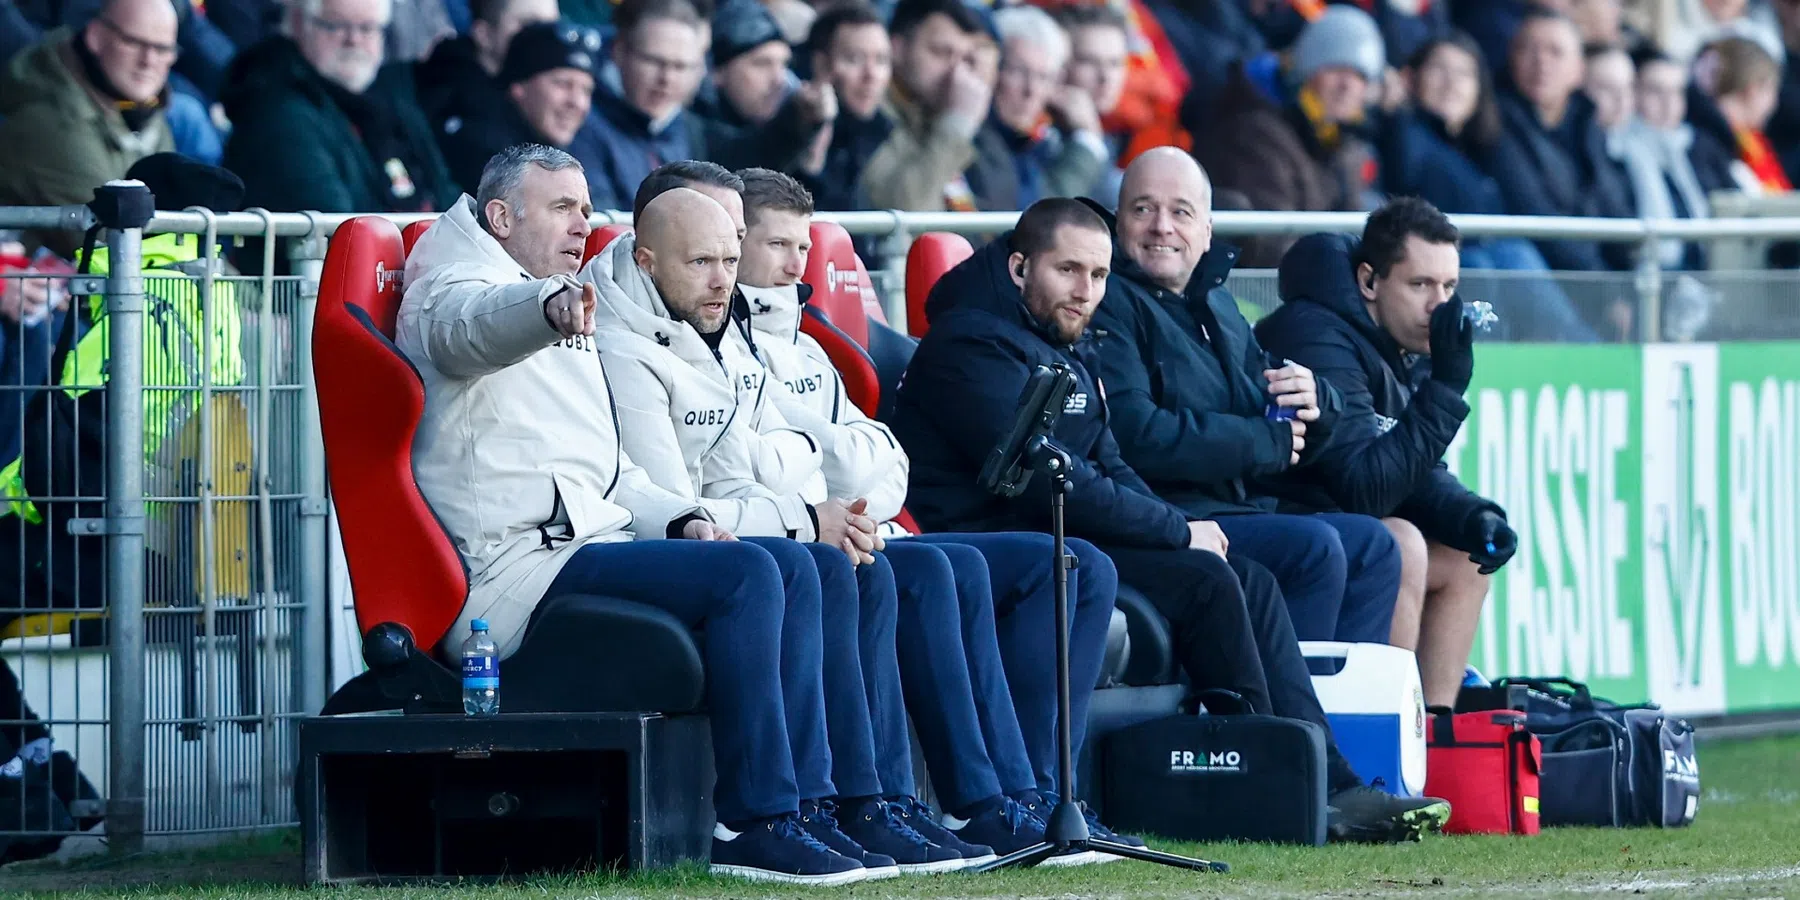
(1605, 763)
(1218, 777)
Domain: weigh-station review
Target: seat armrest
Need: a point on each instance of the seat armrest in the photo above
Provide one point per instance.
(1152, 657)
(603, 654)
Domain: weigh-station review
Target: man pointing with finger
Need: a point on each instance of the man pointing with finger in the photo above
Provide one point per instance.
(1206, 417)
(519, 454)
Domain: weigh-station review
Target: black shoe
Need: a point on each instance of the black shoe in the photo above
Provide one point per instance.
(819, 821)
(920, 818)
(779, 850)
(875, 826)
(1009, 828)
(1366, 815)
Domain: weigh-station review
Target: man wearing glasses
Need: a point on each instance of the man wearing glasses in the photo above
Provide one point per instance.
(81, 106)
(320, 124)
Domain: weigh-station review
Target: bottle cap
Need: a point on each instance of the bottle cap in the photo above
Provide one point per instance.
(478, 625)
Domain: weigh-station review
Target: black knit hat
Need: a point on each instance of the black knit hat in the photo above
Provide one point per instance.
(179, 182)
(739, 27)
(542, 46)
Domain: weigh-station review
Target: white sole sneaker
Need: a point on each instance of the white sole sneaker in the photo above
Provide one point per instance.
(1084, 858)
(935, 868)
(979, 861)
(751, 873)
(881, 874)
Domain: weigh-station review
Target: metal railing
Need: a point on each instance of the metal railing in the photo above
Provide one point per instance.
(210, 599)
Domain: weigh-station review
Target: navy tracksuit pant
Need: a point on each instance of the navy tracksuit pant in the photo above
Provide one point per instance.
(1006, 588)
(768, 736)
(1339, 572)
(857, 617)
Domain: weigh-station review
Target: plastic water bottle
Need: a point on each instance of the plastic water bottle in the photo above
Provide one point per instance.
(480, 672)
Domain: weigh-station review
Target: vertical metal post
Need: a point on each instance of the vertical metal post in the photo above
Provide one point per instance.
(892, 270)
(125, 207)
(308, 258)
(1649, 284)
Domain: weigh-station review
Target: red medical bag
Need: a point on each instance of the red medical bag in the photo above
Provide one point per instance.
(1486, 765)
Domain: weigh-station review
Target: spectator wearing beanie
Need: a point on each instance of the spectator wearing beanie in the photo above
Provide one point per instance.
(1286, 132)
(549, 79)
(460, 79)
(318, 123)
(756, 114)
(1041, 139)
(81, 106)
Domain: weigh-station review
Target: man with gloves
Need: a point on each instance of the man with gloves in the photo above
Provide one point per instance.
(1004, 580)
(1380, 319)
(697, 405)
(519, 454)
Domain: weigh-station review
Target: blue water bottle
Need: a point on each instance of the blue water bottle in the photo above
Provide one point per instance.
(480, 672)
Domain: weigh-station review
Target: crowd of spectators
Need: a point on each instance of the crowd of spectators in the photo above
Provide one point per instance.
(1554, 107)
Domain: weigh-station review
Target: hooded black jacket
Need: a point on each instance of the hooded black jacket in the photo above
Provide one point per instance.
(957, 401)
(1187, 390)
(1386, 457)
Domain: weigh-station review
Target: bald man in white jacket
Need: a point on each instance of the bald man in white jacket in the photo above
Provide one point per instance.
(672, 331)
(518, 453)
(1003, 579)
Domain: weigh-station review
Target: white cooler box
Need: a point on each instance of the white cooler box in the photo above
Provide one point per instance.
(1376, 707)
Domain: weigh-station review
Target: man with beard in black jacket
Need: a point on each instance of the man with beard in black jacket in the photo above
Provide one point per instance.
(1023, 301)
(1207, 418)
(1380, 319)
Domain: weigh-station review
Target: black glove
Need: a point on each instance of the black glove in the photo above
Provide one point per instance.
(1452, 346)
(1496, 540)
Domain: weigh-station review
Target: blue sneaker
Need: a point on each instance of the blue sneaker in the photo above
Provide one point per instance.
(878, 827)
(1009, 828)
(779, 850)
(922, 819)
(819, 819)
(1472, 677)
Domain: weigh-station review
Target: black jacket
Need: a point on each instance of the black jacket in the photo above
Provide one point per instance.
(1386, 456)
(1184, 374)
(1562, 171)
(957, 400)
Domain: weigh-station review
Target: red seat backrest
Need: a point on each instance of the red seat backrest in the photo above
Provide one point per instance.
(861, 383)
(837, 281)
(403, 568)
(411, 233)
(600, 237)
(931, 255)
(871, 300)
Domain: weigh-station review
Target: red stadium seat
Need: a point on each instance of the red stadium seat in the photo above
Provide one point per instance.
(837, 281)
(600, 237)
(861, 382)
(871, 301)
(411, 233)
(403, 569)
(932, 254)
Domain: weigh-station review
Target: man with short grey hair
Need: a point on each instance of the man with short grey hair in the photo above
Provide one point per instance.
(519, 455)
(1017, 159)
(318, 123)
